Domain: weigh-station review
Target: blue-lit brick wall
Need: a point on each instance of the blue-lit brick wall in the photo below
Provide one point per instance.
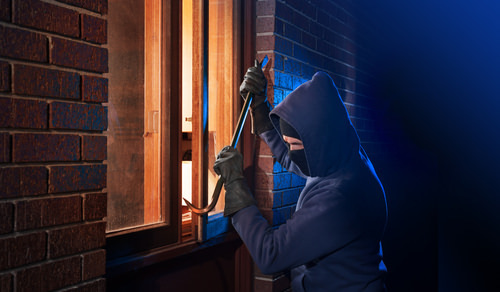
(301, 38)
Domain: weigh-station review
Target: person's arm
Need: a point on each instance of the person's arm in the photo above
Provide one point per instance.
(279, 149)
(324, 224)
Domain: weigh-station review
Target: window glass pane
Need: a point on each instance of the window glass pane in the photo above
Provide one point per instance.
(134, 114)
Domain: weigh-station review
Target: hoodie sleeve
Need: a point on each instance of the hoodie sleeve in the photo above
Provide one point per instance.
(324, 224)
(279, 149)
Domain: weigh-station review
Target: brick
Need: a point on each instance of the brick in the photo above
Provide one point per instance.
(263, 181)
(95, 206)
(78, 55)
(6, 217)
(290, 197)
(279, 27)
(298, 4)
(6, 283)
(21, 250)
(20, 113)
(95, 286)
(46, 82)
(264, 198)
(323, 18)
(48, 17)
(288, 68)
(94, 29)
(277, 167)
(20, 44)
(265, 164)
(23, 181)
(282, 181)
(283, 46)
(94, 264)
(302, 53)
(297, 181)
(94, 148)
(38, 213)
(297, 81)
(316, 30)
(4, 147)
(76, 239)
(267, 7)
(280, 215)
(100, 6)
(29, 279)
(264, 24)
(77, 178)
(45, 147)
(264, 43)
(49, 276)
(5, 8)
(283, 80)
(308, 40)
(292, 32)
(300, 20)
(62, 273)
(279, 95)
(262, 148)
(94, 89)
(308, 72)
(4, 77)
(78, 116)
(283, 11)
(325, 48)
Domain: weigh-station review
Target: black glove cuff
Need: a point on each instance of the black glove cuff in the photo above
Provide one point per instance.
(260, 118)
(238, 196)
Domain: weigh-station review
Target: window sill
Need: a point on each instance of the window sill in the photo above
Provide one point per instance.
(142, 260)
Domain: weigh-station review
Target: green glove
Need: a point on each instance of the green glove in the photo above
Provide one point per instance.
(229, 165)
(255, 82)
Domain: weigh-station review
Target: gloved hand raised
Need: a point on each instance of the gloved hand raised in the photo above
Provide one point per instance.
(229, 165)
(255, 82)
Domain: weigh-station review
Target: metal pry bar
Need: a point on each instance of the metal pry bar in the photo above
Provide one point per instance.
(234, 142)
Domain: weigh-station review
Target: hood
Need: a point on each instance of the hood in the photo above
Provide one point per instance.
(318, 114)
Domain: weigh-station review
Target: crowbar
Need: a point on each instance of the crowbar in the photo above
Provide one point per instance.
(234, 142)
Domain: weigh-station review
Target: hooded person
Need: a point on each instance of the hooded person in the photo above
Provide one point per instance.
(332, 242)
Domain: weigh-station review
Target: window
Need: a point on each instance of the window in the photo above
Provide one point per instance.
(174, 74)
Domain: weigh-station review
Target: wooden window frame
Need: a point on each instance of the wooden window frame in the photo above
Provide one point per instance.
(143, 246)
(135, 240)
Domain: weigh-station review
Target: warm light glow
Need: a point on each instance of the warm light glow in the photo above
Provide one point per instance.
(152, 111)
(187, 65)
(186, 181)
(222, 88)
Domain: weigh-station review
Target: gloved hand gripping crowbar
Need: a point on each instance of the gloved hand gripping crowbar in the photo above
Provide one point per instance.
(234, 142)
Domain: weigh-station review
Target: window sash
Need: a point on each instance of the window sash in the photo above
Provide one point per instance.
(142, 238)
(215, 90)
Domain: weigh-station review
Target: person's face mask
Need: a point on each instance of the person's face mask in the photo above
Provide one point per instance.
(296, 153)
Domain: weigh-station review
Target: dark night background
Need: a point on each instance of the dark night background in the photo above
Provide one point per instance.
(438, 66)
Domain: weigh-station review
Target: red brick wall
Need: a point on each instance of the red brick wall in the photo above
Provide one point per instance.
(301, 38)
(52, 146)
